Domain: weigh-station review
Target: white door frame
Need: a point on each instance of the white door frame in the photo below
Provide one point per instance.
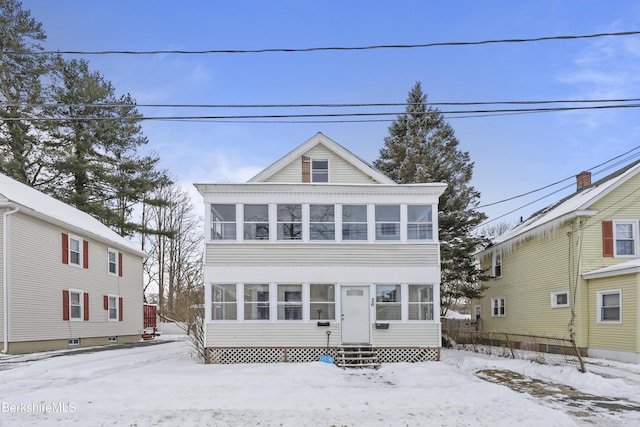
(355, 314)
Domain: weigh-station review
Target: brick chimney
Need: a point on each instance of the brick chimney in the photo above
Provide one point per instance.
(583, 179)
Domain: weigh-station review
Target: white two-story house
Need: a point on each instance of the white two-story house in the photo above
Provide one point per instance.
(317, 252)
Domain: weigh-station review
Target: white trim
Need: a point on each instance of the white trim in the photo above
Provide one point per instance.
(80, 250)
(333, 146)
(5, 276)
(554, 299)
(634, 237)
(599, 295)
(81, 299)
(115, 252)
(503, 305)
(117, 307)
(328, 170)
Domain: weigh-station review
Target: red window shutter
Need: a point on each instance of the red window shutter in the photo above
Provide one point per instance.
(106, 302)
(306, 169)
(65, 248)
(607, 238)
(120, 264)
(65, 305)
(86, 306)
(85, 254)
(120, 309)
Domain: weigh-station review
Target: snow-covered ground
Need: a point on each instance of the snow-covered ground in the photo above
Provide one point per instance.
(164, 385)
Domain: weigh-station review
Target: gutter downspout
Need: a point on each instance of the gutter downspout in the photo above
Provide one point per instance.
(5, 290)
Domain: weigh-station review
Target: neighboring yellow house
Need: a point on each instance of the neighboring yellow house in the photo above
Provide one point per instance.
(572, 268)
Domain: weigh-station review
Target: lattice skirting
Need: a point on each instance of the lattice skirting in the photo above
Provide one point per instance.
(225, 355)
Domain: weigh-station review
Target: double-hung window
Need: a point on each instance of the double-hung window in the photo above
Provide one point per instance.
(289, 222)
(319, 170)
(497, 264)
(497, 307)
(421, 302)
(322, 224)
(223, 222)
(609, 306)
(289, 302)
(256, 302)
(223, 302)
(625, 238)
(75, 305)
(419, 222)
(322, 301)
(387, 222)
(112, 261)
(256, 222)
(113, 307)
(388, 302)
(75, 250)
(354, 222)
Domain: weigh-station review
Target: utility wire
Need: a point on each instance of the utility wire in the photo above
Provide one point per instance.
(321, 115)
(326, 105)
(319, 49)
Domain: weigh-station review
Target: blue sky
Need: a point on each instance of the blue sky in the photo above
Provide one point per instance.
(513, 154)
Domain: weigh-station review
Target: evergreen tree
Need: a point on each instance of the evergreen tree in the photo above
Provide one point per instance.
(421, 147)
(100, 169)
(24, 153)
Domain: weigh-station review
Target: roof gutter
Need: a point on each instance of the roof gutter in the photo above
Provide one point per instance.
(5, 283)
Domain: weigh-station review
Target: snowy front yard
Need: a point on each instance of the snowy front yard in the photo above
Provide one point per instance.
(163, 385)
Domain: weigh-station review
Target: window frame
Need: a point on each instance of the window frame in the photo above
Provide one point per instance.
(396, 304)
(80, 304)
(419, 304)
(320, 171)
(71, 238)
(355, 223)
(600, 306)
(319, 222)
(220, 226)
(496, 264)
(256, 224)
(261, 302)
(381, 223)
(294, 225)
(502, 306)
(633, 239)
(315, 301)
(294, 305)
(417, 224)
(226, 289)
(554, 299)
(114, 262)
(115, 308)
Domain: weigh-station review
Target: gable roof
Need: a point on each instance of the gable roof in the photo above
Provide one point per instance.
(338, 149)
(548, 219)
(35, 203)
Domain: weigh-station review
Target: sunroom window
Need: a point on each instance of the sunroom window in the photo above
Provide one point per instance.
(419, 222)
(289, 302)
(322, 224)
(354, 222)
(223, 302)
(289, 222)
(256, 222)
(323, 301)
(223, 222)
(420, 302)
(388, 298)
(387, 222)
(256, 302)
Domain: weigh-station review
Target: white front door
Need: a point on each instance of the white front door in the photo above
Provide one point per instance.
(355, 312)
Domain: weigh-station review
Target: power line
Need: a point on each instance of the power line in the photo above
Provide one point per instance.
(321, 115)
(318, 105)
(318, 49)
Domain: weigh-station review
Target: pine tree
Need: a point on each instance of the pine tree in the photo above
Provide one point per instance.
(23, 151)
(422, 147)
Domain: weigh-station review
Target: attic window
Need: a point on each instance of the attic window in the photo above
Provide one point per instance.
(319, 170)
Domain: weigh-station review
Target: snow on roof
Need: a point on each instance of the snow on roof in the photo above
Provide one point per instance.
(549, 219)
(629, 267)
(36, 203)
(320, 138)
